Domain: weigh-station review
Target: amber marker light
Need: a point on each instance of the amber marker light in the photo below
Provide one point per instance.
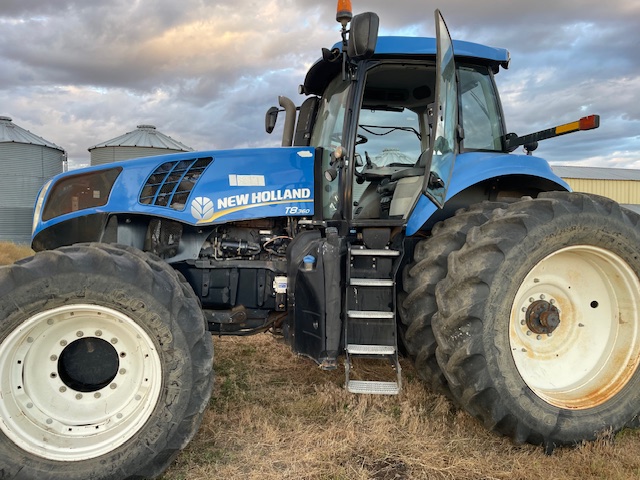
(344, 12)
(585, 123)
(590, 122)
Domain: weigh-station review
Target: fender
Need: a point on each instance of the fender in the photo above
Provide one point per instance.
(474, 167)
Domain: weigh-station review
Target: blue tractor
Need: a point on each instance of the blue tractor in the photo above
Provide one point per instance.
(395, 219)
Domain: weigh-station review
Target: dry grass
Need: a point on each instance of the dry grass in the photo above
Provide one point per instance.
(277, 416)
(10, 252)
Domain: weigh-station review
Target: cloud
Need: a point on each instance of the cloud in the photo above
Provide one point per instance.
(79, 73)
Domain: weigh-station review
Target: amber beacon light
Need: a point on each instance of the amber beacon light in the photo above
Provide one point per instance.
(344, 12)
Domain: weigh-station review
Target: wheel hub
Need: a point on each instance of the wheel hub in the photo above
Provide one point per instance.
(88, 364)
(585, 358)
(80, 381)
(542, 317)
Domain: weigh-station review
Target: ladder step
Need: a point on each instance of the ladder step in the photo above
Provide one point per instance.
(369, 314)
(371, 349)
(374, 252)
(371, 282)
(379, 388)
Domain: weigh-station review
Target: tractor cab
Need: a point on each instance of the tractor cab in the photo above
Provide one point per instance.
(390, 115)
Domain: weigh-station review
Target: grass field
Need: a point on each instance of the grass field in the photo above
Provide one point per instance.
(10, 252)
(275, 415)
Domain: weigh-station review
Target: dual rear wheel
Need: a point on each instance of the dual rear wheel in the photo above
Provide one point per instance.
(535, 319)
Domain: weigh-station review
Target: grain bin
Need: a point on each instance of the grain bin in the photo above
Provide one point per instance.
(27, 162)
(144, 141)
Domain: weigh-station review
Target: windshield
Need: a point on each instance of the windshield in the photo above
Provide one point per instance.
(327, 134)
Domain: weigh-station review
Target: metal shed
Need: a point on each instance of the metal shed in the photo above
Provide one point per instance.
(27, 162)
(619, 184)
(144, 141)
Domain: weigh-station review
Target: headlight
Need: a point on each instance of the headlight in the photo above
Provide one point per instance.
(38, 207)
(78, 192)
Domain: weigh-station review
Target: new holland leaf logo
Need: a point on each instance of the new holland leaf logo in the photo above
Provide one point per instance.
(202, 208)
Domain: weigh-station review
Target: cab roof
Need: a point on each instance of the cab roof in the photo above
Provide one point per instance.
(427, 46)
(323, 71)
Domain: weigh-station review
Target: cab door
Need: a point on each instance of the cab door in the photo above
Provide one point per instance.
(444, 145)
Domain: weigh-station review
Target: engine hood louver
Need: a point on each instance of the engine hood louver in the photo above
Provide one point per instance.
(171, 183)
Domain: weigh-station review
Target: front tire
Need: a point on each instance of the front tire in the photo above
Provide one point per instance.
(105, 365)
(538, 327)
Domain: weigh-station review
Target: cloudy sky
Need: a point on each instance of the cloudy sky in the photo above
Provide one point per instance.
(80, 72)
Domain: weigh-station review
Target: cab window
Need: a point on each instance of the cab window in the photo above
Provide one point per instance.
(327, 134)
(481, 117)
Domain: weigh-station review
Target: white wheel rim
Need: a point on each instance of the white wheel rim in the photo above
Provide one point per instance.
(43, 415)
(594, 351)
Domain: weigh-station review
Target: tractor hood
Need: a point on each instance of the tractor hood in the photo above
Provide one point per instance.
(196, 188)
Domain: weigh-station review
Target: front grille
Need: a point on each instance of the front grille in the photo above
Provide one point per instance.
(171, 183)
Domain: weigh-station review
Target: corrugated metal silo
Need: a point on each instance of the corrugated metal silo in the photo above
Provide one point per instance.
(145, 141)
(27, 162)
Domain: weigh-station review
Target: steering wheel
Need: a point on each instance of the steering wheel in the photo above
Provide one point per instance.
(360, 139)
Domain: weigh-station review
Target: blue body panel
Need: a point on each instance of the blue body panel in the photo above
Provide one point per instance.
(237, 185)
(427, 46)
(412, 46)
(474, 167)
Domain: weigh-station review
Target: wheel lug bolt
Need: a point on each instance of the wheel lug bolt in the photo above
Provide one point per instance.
(63, 343)
(62, 389)
(98, 333)
(542, 297)
(539, 337)
(79, 334)
(53, 358)
(528, 332)
(78, 396)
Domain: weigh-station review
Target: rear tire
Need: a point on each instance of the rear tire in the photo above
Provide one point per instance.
(105, 365)
(417, 303)
(564, 264)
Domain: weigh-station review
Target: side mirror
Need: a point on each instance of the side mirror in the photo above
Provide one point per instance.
(363, 35)
(270, 119)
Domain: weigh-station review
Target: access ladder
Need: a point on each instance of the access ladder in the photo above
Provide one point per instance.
(370, 315)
